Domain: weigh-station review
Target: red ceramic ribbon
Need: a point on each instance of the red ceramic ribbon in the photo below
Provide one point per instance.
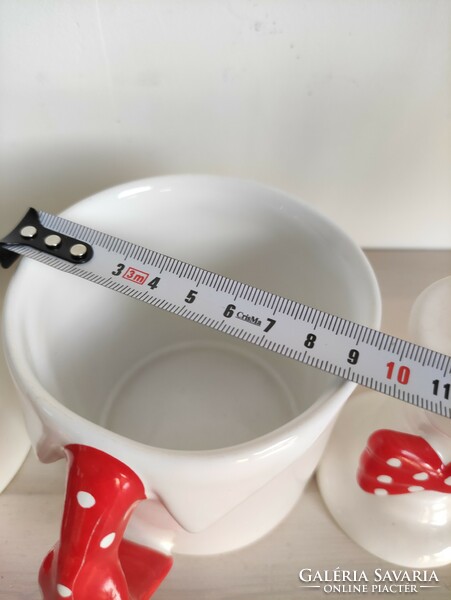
(394, 462)
(92, 561)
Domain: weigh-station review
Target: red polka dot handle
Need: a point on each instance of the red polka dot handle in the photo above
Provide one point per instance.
(394, 462)
(92, 561)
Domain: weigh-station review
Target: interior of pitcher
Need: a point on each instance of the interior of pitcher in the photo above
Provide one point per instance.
(166, 381)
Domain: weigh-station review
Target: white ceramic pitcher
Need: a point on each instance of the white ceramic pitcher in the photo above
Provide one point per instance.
(204, 441)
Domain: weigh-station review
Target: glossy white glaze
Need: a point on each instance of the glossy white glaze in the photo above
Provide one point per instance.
(14, 441)
(226, 471)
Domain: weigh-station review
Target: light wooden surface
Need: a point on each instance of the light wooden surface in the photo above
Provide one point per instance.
(30, 507)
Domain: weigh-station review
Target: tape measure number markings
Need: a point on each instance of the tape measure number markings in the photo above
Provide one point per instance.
(333, 344)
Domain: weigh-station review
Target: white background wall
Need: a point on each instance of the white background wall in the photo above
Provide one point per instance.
(345, 103)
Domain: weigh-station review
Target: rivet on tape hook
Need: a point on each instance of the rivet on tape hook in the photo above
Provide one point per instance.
(30, 232)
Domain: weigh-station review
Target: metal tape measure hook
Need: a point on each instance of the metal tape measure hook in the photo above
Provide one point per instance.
(30, 232)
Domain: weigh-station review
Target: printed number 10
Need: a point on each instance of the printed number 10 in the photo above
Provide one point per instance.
(402, 375)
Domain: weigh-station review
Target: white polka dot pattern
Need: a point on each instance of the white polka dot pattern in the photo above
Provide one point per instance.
(394, 462)
(63, 591)
(399, 460)
(107, 540)
(384, 478)
(85, 499)
(86, 564)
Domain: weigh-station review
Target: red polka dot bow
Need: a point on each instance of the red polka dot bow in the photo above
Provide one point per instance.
(92, 561)
(394, 462)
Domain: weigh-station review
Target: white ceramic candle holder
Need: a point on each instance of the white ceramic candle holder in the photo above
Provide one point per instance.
(386, 473)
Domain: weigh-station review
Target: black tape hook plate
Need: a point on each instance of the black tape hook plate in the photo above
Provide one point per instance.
(30, 232)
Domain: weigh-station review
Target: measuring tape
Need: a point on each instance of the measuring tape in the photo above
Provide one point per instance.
(328, 342)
